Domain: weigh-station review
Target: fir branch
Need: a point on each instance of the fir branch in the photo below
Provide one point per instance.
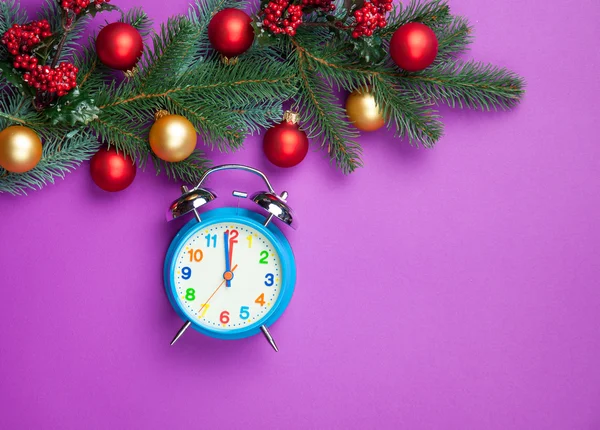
(125, 134)
(139, 20)
(15, 109)
(333, 66)
(61, 155)
(214, 82)
(412, 119)
(325, 120)
(170, 55)
(87, 62)
(52, 11)
(10, 14)
(433, 13)
(453, 38)
(189, 170)
(213, 127)
(183, 74)
(256, 117)
(471, 84)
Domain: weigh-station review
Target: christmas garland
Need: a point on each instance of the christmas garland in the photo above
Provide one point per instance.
(202, 74)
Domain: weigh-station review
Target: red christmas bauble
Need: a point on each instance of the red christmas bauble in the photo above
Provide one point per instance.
(230, 32)
(119, 46)
(285, 145)
(112, 171)
(414, 47)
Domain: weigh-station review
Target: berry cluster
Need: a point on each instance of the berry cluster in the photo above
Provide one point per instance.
(370, 17)
(324, 5)
(20, 39)
(26, 62)
(78, 5)
(59, 80)
(281, 17)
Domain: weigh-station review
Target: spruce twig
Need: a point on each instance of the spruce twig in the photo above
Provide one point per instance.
(227, 102)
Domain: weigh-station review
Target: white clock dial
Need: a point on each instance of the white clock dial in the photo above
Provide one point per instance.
(200, 276)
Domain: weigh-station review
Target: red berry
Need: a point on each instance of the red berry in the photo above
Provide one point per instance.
(77, 6)
(20, 39)
(370, 17)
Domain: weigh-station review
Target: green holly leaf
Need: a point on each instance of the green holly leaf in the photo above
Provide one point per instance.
(77, 107)
(13, 76)
(368, 50)
(262, 37)
(46, 47)
(94, 9)
(352, 5)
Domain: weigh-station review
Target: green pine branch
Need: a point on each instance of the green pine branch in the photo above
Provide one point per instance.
(51, 11)
(324, 119)
(62, 153)
(189, 170)
(171, 53)
(10, 14)
(466, 84)
(138, 19)
(453, 38)
(411, 118)
(432, 13)
(180, 72)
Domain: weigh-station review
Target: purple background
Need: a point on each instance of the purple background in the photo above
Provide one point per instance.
(455, 288)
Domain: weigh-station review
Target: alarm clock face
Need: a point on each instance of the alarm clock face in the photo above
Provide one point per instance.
(214, 253)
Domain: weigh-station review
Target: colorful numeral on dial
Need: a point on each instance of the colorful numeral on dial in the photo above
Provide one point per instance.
(204, 309)
(260, 299)
(211, 238)
(232, 234)
(196, 255)
(186, 273)
(190, 294)
(264, 255)
(270, 279)
(249, 239)
(244, 312)
(224, 317)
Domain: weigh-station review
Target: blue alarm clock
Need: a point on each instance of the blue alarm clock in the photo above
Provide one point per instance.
(230, 274)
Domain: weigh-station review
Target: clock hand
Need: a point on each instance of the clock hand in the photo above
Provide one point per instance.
(227, 259)
(185, 326)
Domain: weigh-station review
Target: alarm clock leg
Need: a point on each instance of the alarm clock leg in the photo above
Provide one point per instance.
(181, 331)
(268, 220)
(265, 331)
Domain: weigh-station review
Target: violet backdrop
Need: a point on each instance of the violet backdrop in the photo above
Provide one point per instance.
(454, 288)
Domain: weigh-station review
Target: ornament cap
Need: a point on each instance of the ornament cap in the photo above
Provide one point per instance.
(229, 61)
(160, 114)
(291, 117)
(129, 74)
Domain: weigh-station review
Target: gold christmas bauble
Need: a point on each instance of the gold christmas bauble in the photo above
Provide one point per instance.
(172, 137)
(363, 112)
(20, 149)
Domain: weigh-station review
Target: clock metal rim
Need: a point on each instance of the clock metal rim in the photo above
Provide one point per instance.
(273, 234)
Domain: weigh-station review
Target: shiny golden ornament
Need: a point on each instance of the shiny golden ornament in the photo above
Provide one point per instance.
(363, 112)
(20, 149)
(172, 137)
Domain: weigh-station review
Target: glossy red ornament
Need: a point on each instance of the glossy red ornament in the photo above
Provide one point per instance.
(284, 144)
(230, 32)
(119, 46)
(414, 47)
(112, 171)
